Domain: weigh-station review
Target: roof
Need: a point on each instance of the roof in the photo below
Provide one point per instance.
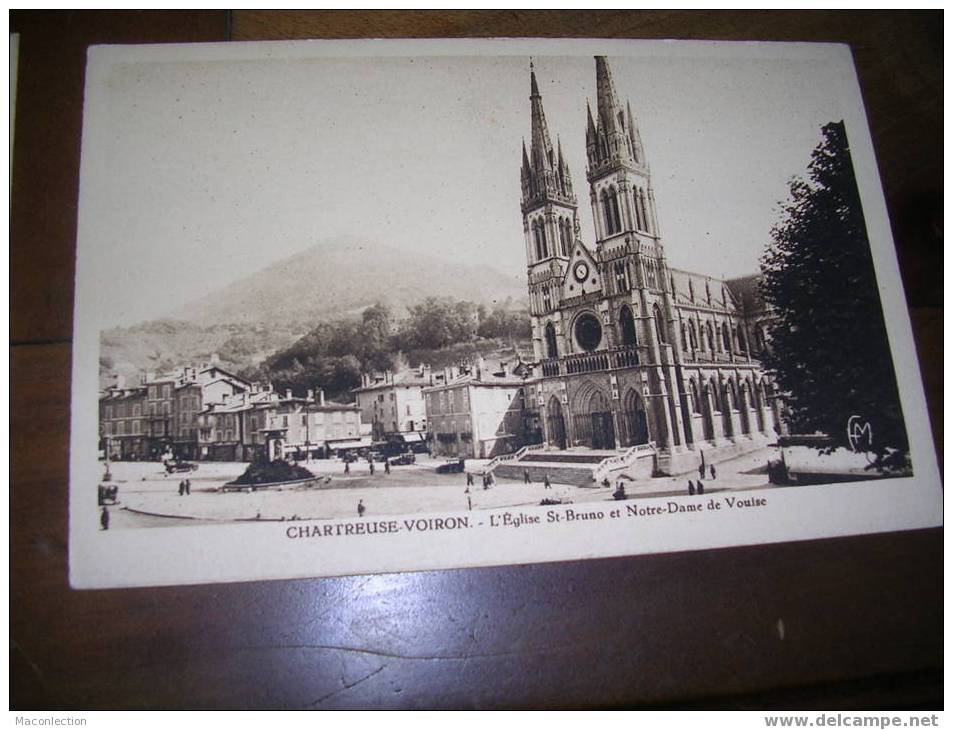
(747, 290)
(402, 378)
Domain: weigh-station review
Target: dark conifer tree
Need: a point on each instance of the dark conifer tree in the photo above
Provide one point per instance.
(829, 349)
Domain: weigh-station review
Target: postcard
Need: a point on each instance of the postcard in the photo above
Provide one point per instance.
(350, 307)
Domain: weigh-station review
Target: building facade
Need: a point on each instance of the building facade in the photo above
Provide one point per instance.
(124, 430)
(630, 350)
(476, 412)
(312, 427)
(393, 404)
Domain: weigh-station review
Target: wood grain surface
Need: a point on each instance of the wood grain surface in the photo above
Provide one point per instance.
(847, 623)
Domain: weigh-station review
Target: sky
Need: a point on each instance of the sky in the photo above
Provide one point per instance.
(199, 172)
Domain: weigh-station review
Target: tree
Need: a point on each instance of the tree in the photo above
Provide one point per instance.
(829, 349)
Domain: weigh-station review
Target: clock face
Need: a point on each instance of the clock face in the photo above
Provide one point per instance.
(581, 271)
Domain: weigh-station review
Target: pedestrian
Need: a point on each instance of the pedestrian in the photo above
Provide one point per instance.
(605, 483)
(701, 470)
(712, 471)
(469, 480)
(699, 488)
(387, 466)
(526, 476)
(371, 463)
(691, 487)
(181, 487)
(188, 487)
(469, 503)
(546, 484)
(347, 466)
(360, 508)
(490, 480)
(104, 518)
(486, 483)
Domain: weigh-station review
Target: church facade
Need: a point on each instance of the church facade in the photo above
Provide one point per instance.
(632, 351)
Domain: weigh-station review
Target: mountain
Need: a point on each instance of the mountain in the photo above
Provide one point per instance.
(345, 275)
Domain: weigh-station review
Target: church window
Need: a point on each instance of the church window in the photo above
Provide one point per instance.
(684, 337)
(711, 337)
(547, 298)
(726, 338)
(615, 210)
(650, 274)
(659, 324)
(588, 332)
(692, 338)
(621, 277)
(638, 212)
(691, 290)
(693, 396)
(742, 340)
(551, 351)
(707, 293)
(645, 217)
(627, 327)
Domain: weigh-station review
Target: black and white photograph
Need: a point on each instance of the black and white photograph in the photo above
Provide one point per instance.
(352, 307)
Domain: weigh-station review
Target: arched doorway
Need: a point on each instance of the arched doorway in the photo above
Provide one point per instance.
(627, 327)
(555, 424)
(635, 427)
(593, 425)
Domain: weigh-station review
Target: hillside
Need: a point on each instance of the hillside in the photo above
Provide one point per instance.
(344, 275)
(255, 317)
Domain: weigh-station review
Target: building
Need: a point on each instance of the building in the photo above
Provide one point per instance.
(313, 427)
(630, 350)
(123, 429)
(393, 404)
(476, 411)
(231, 429)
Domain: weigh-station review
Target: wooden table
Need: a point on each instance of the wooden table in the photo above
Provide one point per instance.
(861, 616)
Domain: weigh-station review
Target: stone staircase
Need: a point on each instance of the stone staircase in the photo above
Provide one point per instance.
(570, 466)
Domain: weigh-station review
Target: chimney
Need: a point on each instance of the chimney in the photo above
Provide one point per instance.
(288, 394)
(320, 396)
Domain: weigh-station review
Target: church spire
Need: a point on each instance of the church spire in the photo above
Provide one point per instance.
(545, 174)
(614, 137)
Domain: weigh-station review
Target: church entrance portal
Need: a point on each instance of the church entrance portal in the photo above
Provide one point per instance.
(635, 428)
(595, 427)
(555, 424)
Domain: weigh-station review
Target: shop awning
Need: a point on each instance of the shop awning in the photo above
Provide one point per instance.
(362, 443)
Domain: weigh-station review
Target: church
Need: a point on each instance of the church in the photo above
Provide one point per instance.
(632, 352)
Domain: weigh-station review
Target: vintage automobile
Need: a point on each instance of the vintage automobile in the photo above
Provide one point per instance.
(451, 467)
(175, 466)
(403, 459)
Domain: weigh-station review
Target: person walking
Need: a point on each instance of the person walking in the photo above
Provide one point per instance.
(387, 466)
(371, 464)
(188, 487)
(181, 487)
(526, 476)
(701, 470)
(469, 481)
(347, 467)
(104, 518)
(699, 488)
(360, 508)
(546, 484)
(691, 487)
(712, 471)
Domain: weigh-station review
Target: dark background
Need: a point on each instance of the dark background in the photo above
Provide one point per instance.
(861, 616)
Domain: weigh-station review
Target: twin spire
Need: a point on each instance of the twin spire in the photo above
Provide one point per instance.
(612, 137)
(545, 173)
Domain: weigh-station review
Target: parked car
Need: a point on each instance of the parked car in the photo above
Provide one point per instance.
(451, 467)
(404, 459)
(172, 467)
